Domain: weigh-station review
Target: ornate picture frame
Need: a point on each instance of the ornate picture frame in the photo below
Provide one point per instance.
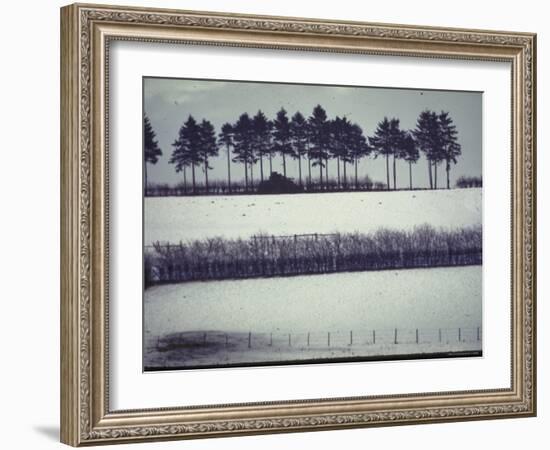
(87, 31)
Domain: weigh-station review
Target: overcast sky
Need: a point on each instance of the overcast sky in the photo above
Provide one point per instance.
(169, 102)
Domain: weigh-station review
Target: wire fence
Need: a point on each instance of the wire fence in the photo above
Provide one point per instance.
(319, 339)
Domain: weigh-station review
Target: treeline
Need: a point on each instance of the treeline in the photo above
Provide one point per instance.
(313, 143)
(219, 187)
(271, 256)
(469, 182)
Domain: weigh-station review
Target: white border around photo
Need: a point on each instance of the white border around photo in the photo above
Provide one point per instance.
(130, 388)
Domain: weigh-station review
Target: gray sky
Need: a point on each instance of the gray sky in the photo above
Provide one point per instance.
(168, 103)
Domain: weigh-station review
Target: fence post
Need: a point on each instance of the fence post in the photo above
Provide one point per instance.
(374, 336)
(395, 336)
(289, 344)
(226, 339)
(308, 338)
(417, 335)
(271, 339)
(440, 335)
(249, 339)
(328, 338)
(459, 335)
(351, 337)
(478, 333)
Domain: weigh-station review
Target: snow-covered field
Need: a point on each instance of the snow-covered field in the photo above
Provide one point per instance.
(424, 299)
(175, 219)
(208, 323)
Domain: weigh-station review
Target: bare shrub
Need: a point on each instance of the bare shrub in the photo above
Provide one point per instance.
(267, 256)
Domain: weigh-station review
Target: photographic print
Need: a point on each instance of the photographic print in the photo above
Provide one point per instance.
(298, 223)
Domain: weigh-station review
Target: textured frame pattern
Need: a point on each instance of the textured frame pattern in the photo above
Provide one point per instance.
(86, 31)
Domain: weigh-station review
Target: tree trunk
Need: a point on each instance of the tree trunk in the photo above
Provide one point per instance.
(284, 164)
(309, 168)
(320, 173)
(270, 163)
(410, 176)
(338, 170)
(245, 177)
(356, 173)
(252, 175)
(326, 172)
(261, 168)
(184, 180)
(435, 174)
(145, 175)
(430, 173)
(387, 171)
(394, 175)
(300, 168)
(193, 178)
(448, 168)
(228, 169)
(345, 174)
(206, 174)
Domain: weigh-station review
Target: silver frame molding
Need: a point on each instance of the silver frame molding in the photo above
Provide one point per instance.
(86, 31)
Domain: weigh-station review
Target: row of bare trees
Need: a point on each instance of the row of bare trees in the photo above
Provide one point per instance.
(237, 187)
(316, 140)
(270, 256)
(469, 182)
